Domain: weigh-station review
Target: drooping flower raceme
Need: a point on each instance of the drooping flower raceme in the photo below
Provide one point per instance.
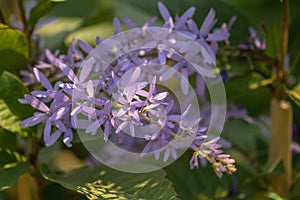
(127, 97)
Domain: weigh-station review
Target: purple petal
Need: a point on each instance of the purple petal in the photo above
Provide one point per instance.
(162, 57)
(37, 104)
(122, 126)
(192, 26)
(135, 75)
(85, 46)
(218, 36)
(129, 23)
(60, 125)
(42, 79)
(117, 26)
(68, 138)
(166, 155)
(164, 12)
(194, 162)
(40, 94)
(149, 22)
(107, 130)
(208, 22)
(132, 131)
(60, 113)
(49, 138)
(90, 88)
(68, 72)
(160, 96)
(182, 20)
(169, 72)
(86, 69)
(169, 106)
(146, 149)
(94, 126)
(52, 59)
(34, 120)
(107, 107)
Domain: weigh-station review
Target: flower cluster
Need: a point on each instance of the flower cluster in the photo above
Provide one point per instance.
(84, 95)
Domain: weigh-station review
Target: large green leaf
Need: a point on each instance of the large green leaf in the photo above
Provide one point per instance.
(10, 122)
(13, 49)
(101, 182)
(41, 9)
(11, 90)
(12, 165)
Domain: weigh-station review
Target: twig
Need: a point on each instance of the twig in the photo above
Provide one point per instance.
(26, 30)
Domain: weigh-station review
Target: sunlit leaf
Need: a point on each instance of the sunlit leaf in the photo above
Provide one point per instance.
(11, 90)
(13, 49)
(100, 182)
(12, 165)
(10, 122)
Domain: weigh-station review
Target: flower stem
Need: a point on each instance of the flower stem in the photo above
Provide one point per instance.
(281, 116)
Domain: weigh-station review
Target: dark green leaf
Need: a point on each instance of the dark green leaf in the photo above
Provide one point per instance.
(240, 90)
(10, 122)
(243, 135)
(273, 40)
(193, 184)
(101, 182)
(12, 165)
(13, 49)
(41, 9)
(11, 90)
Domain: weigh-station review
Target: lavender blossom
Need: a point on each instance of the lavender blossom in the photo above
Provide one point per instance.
(130, 110)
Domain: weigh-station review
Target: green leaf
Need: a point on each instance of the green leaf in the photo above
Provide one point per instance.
(200, 183)
(41, 9)
(10, 122)
(273, 40)
(11, 90)
(13, 49)
(243, 135)
(101, 182)
(241, 90)
(12, 165)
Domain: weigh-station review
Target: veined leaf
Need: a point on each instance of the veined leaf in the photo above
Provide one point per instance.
(101, 182)
(10, 122)
(12, 165)
(11, 90)
(13, 49)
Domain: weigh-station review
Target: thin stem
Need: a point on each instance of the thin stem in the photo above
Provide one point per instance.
(285, 24)
(26, 30)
